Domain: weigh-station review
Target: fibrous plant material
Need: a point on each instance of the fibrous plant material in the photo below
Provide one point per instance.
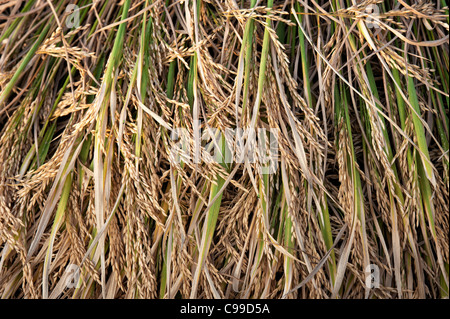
(224, 149)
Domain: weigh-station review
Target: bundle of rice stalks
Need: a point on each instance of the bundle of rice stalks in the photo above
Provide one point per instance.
(224, 149)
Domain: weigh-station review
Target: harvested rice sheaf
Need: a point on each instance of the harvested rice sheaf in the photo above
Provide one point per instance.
(224, 149)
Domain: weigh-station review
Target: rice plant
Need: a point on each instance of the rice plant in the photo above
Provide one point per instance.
(224, 149)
